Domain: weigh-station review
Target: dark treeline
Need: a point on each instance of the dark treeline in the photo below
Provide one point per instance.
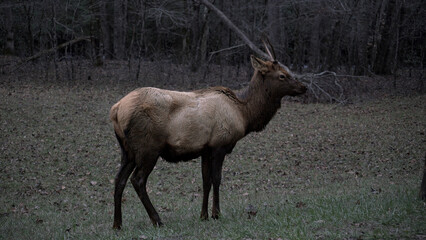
(356, 36)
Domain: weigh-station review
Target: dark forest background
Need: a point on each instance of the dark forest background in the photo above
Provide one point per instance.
(344, 49)
(359, 36)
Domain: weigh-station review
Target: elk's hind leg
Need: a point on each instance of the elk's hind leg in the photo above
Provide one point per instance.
(120, 183)
(139, 180)
(126, 168)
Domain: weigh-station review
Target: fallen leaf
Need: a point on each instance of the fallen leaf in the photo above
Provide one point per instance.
(300, 204)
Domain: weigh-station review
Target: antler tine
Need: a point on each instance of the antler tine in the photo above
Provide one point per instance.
(267, 50)
(271, 51)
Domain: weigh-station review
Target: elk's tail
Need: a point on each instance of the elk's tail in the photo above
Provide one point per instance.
(114, 118)
(118, 131)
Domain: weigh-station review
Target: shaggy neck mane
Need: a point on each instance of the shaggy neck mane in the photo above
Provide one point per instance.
(259, 103)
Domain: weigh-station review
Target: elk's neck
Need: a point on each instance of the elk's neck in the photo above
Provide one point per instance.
(260, 103)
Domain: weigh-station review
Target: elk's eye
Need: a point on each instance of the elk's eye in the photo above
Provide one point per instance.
(282, 76)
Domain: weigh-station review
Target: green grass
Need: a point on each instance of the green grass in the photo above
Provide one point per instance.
(317, 172)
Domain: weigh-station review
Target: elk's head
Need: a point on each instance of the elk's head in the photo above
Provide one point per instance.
(280, 79)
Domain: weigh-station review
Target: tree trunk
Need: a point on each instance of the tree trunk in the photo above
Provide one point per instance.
(143, 39)
(397, 29)
(120, 28)
(54, 40)
(273, 24)
(196, 32)
(381, 65)
(334, 47)
(314, 46)
(362, 26)
(10, 40)
(204, 37)
(377, 24)
(29, 12)
(105, 38)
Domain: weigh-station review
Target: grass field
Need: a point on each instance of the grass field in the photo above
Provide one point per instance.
(318, 171)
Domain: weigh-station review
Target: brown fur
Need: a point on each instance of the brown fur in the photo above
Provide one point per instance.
(179, 126)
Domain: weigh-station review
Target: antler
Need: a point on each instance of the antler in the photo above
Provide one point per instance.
(271, 51)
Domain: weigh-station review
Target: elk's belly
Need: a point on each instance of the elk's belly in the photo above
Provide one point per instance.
(171, 154)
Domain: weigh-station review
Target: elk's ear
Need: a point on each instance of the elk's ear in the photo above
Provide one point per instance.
(259, 64)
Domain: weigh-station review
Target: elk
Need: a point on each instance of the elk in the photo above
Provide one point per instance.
(179, 126)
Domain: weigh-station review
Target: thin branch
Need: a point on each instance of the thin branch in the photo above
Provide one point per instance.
(51, 50)
(334, 92)
(232, 26)
(223, 49)
(63, 25)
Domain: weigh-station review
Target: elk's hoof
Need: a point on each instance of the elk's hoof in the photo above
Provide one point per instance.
(116, 226)
(204, 217)
(157, 223)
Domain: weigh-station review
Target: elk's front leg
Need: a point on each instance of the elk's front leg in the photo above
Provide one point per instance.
(207, 183)
(216, 176)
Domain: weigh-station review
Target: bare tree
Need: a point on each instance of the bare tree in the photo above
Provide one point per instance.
(120, 28)
(381, 64)
(362, 28)
(105, 38)
(10, 39)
